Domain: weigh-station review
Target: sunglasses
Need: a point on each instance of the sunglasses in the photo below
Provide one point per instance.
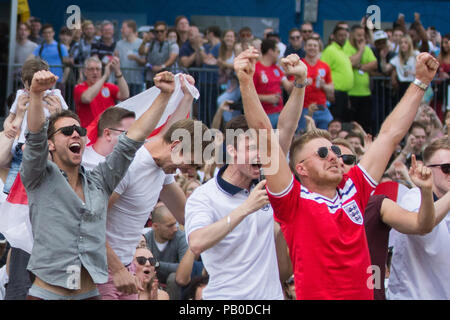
(306, 31)
(445, 167)
(68, 131)
(322, 152)
(295, 37)
(348, 159)
(119, 130)
(143, 260)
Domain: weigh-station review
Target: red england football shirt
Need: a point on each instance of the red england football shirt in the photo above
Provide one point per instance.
(313, 93)
(105, 98)
(267, 80)
(326, 238)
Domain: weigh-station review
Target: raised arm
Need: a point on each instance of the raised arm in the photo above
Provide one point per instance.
(410, 222)
(146, 123)
(93, 90)
(290, 115)
(175, 200)
(276, 168)
(398, 122)
(124, 92)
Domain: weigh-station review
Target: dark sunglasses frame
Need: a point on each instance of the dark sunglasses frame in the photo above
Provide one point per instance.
(119, 130)
(445, 167)
(68, 131)
(143, 260)
(348, 159)
(322, 152)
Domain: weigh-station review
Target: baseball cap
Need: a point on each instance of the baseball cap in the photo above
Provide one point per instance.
(379, 35)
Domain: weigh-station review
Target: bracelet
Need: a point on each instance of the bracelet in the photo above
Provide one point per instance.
(163, 66)
(300, 85)
(420, 84)
(119, 76)
(228, 222)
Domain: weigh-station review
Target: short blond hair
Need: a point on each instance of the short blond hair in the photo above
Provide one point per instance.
(430, 150)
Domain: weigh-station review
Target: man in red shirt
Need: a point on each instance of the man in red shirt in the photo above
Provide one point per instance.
(322, 216)
(95, 95)
(268, 78)
(320, 87)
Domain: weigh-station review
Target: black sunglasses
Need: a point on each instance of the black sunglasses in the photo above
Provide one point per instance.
(348, 159)
(68, 131)
(322, 152)
(445, 167)
(119, 130)
(143, 260)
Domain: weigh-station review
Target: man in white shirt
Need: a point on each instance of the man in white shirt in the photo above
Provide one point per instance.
(149, 177)
(229, 220)
(421, 263)
(111, 124)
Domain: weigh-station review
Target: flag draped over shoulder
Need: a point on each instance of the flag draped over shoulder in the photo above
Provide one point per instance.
(15, 219)
(141, 102)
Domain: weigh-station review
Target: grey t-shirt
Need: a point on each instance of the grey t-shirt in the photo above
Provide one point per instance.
(23, 51)
(124, 48)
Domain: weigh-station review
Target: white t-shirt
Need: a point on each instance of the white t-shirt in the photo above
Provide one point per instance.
(4, 279)
(24, 127)
(139, 192)
(405, 72)
(243, 265)
(91, 158)
(2, 194)
(420, 264)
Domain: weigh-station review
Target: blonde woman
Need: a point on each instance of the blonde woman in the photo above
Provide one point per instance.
(403, 65)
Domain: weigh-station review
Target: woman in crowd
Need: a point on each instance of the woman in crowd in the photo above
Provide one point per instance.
(403, 65)
(145, 270)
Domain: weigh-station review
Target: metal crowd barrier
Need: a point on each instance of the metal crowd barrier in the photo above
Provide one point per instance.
(384, 96)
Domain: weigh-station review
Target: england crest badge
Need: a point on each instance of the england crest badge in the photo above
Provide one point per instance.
(352, 211)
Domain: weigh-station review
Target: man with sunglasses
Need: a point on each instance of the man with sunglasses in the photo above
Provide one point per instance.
(322, 215)
(420, 263)
(382, 214)
(295, 45)
(67, 204)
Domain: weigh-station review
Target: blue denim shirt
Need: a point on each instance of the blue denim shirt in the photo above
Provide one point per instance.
(69, 233)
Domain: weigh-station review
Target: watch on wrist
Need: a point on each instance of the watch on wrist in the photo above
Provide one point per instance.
(420, 84)
(300, 85)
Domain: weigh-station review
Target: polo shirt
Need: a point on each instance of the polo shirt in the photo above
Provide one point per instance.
(313, 92)
(361, 79)
(243, 265)
(51, 55)
(87, 112)
(340, 65)
(268, 80)
(326, 237)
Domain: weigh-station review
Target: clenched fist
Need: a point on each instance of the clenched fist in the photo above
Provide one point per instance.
(244, 64)
(42, 80)
(165, 81)
(292, 65)
(426, 67)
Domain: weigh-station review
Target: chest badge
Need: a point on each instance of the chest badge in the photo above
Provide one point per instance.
(352, 211)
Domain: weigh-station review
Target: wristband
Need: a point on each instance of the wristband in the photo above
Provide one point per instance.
(163, 66)
(119, 76)
(420, 84)
(300, 85)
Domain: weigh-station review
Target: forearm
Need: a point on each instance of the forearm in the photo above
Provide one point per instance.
(329, 89)
(35, 116)
(207, 237)
(187, 61)
(356, 59)
(171, 60)
(173, 197)
(124, 92)
(217, 120)
(368, 67)
(184, 270)
(93, 90)
(426, 217)
(284, 261)
(289, 117)
(114, 263)
(5, 150)
(143, 126)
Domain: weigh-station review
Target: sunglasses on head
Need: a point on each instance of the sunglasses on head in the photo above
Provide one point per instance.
(322, 152)
(68, 131)
(348, 159)
(445, 167)
(143, 260)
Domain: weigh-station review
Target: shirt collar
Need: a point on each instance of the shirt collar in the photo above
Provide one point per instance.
(224, 185)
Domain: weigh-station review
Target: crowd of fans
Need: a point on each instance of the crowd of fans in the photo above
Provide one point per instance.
(168, 232)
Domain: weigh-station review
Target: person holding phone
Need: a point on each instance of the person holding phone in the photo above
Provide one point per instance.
(320, 87)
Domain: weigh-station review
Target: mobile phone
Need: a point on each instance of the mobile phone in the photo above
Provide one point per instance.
(261, 175)
(236, 105)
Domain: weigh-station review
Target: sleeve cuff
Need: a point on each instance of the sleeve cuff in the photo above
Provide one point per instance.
(284, 192)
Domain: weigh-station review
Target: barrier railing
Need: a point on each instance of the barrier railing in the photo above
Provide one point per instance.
(384, 95)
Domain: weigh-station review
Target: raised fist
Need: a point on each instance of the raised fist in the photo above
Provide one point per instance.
(426, 67)
(292, 65)
(244, 64)
(42, 80)
(165, 81)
